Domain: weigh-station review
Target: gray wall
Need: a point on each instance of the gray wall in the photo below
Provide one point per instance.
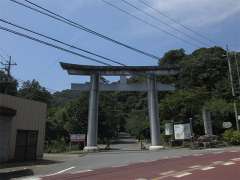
(31, 115)
(5, 127)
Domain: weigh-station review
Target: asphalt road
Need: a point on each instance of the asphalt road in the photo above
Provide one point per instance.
(126, 161)
(220, 165)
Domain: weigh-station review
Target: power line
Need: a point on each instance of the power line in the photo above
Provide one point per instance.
(166, 24)
(148, 23)
(175, 21)
(79, 26)
(58, 47)
(61, 42)
(52, 45)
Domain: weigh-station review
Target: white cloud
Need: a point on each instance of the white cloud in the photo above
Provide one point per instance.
(198, 12)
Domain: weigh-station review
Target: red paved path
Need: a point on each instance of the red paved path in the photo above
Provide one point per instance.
(153, 170)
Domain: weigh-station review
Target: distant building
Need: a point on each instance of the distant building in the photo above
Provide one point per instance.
(22, 128)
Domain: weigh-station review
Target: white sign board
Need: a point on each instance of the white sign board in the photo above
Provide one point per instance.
(169, 129)
(182, 131)
(77, 137)
(227, 125)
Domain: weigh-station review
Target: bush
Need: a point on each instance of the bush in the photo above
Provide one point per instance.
(166, 139)
(227, 135)
(56, 146)
(232, 137)
(236, 138)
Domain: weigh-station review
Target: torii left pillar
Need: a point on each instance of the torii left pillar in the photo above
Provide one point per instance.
(93, 114)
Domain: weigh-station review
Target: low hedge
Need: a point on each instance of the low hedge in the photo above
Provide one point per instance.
(232, 137)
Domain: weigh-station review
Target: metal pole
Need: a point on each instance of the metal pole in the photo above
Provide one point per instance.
(236, 114)
(207, 122)
(8, 69)
(236, 61)
(191, 126)
(233, 91)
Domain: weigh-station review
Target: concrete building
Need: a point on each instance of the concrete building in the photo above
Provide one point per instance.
(22, 128)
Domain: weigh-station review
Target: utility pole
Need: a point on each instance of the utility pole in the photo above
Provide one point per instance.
(238, 74)
(7, 67)
(233, 91)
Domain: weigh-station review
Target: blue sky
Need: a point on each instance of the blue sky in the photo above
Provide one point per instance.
(216, 19)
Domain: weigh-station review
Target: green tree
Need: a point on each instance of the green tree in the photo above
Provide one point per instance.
(172, 58)
(137, 124)
(34, 91)
(203, 68)
(60, 99)
(182, 104)
(73, 117)
(69, 118)
(57, 117)
(8, 85)
(77, 113)
(202, 81)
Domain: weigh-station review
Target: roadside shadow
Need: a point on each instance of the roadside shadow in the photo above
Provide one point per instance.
(124, 142)
(13, 164)
(16, 174)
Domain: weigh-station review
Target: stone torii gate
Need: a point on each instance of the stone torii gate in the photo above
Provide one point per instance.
(152, 87)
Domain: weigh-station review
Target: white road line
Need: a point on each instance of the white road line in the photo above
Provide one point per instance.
(27, 178)
(215, 149)
(236, 159)
(195, 166)
(219, 152)
(166, 157)
(183, 174)
(228, 163)
(233, 151)
(207, 168)
(218, 162)
(117, 166)
(197, 154)
(167, 173)
(176, 157)
(141, 179)
(82, 171)
(60, 172)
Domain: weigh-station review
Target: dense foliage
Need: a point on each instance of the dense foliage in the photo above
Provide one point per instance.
(232, 137)
(8, 85)
(203, 80)
(33, 90)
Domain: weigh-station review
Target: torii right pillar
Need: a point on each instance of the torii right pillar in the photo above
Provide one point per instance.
(153, 113)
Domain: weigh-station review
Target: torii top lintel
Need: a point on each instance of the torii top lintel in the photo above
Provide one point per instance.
(76, 69)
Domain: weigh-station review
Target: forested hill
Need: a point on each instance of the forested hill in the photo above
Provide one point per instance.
(60, 99)
(203, 80)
